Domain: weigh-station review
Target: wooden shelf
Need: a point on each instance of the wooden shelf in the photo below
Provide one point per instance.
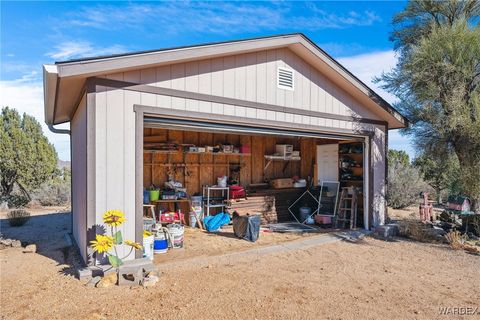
(202, 153)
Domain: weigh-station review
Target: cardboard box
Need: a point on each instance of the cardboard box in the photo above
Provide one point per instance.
(281, 183)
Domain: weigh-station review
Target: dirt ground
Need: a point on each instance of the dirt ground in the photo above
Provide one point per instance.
(199, 243)
(372, 279)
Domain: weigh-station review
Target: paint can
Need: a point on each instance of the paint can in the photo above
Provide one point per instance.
(176, 232)
(148, 247)
(146, 197)
(160, 244)
(192, 219)
(305, 213)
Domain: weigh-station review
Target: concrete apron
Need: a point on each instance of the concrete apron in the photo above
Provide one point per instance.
(349, 235)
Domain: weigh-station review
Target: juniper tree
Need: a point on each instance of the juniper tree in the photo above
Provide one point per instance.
(27, 159)
(437, 81)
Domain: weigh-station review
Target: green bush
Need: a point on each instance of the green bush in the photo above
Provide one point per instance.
(17, 218)
(17, 200)
(404, 183)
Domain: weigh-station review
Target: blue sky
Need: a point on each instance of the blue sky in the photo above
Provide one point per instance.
(34, 33)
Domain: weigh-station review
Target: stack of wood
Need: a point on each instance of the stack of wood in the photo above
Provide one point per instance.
(271, 205)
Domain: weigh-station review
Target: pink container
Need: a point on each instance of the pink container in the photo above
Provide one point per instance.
(323, 219)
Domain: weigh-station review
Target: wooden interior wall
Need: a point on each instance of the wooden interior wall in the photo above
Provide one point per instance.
(203, 169)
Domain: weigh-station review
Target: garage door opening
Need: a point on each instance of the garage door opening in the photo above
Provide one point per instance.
(272, 168)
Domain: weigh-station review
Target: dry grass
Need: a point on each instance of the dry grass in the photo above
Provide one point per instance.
(455, 239)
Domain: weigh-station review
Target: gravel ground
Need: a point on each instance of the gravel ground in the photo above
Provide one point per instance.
(372, 279)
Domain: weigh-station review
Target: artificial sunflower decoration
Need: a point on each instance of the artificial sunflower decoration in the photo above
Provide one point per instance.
(133, 244)
(146, 233)
(113, 218)
(102, 243)
(108, 243)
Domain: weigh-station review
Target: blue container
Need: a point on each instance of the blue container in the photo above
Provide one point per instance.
(160, 245)
(146, 197)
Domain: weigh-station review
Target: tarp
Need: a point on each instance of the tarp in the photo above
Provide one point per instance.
(246, 227)
(213, 223)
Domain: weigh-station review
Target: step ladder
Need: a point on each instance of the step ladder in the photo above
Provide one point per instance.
(347, 209)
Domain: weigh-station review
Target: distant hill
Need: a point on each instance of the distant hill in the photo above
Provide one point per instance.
(63, 164)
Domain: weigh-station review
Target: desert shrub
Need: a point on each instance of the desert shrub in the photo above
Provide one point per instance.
(17, 200)
(404, 183)
(476, 224)
(17, 218)
(455, 239)
(418, 231)
(55, 191)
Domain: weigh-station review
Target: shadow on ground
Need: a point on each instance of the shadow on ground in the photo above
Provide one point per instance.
(50, 233)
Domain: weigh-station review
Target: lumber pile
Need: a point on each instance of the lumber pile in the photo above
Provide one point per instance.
(271, 205)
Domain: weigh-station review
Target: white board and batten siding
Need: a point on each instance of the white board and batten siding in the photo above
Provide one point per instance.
(78, 127)
(253, 77)
(249, 77)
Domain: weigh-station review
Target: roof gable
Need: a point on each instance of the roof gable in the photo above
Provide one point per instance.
(72, 74)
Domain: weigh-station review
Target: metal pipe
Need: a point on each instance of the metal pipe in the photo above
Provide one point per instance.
(59, 131)
(66, 131)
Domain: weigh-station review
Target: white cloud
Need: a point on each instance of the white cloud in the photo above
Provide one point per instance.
(368, 66)
(27, 96)
(77, 49)
(215, 17)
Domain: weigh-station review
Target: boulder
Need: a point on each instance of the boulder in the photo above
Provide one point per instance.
(31, 248)
(110, 279)
(6, 242)
(150, 281)
(16, 243)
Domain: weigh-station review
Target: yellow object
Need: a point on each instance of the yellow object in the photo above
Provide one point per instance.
(133, 244)
(102, 243)
(146, 233)
(113, 218)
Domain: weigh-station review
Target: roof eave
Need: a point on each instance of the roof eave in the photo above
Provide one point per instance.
(50, 79)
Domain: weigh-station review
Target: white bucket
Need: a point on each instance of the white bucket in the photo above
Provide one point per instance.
(148, 247)
(161, 241)
(192, 219)
(176, 232)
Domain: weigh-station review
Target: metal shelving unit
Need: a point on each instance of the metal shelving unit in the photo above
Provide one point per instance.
(209, 200)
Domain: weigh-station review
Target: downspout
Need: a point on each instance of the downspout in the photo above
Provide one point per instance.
(66, 131)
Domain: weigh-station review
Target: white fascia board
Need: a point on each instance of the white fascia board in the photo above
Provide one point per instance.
(90, 68)
(50, 78)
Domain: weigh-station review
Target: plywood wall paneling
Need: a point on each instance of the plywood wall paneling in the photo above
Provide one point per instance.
(206, 172)
(192, 179)
(257, 159)
(219, 171)
(246, 168)
(205, 168)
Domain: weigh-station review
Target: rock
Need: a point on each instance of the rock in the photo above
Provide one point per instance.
(94, 281)
(16, 243)
(110, 279)
(4, 206)
(150, 281)
(6, 242)
(31, 248)
(386, 232)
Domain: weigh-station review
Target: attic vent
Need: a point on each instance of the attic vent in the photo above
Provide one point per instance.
(285, 78)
